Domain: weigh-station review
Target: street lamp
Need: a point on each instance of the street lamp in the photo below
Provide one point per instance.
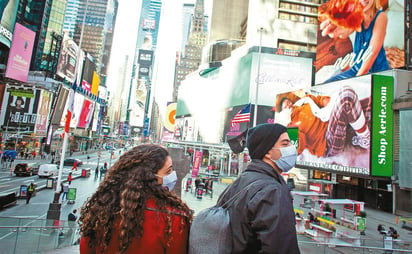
(258, 78)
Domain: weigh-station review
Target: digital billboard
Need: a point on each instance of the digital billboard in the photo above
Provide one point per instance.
(19, 109)
(88, 72)
(367, 40)
(21, 50)
(60, 106)
(343, 126)
(145, 60)
(67, 60)
(8, 12)
(43, 114)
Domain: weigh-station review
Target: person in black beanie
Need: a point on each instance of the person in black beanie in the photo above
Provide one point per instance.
(262, 214)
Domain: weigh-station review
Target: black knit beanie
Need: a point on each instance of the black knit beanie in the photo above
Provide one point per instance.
(262, 138)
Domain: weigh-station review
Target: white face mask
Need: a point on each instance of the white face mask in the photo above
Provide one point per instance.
(169, 180)
(287, 159)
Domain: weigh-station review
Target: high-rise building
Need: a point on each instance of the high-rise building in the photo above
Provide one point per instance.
(149, 24)
(286, 24)
(231, 13)
(70, 17)
(191, 57)
(93, 21)
(187, 14)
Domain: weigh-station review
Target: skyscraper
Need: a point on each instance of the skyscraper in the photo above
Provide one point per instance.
(70, 17)
(149, 24)
(191, 57)
(187, 14)
(98, 17)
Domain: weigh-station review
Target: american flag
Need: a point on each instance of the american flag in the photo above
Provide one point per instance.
(243, 116)
(70, 107)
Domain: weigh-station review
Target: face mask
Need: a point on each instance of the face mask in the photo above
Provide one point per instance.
(170, 180)
(288, 158)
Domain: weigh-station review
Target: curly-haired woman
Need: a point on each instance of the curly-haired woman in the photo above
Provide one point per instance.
(133, 210)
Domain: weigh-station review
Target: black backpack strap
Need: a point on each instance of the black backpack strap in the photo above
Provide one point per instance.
(229, 201)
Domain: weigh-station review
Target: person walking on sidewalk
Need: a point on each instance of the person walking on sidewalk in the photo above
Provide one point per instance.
(74, 165)
(262, 217)
(96, 172)
(65, 191)
(30, 190)
(134, 209)
(69, 178)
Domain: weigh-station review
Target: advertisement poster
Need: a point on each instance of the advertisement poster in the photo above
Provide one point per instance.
(382, 131)
(21, 50)
(43, 114)
(60, 106)
(8, 12)
(86, 114)
(333, 123)
(196, 163)
(19, 109)
(349, 47)
(67, 59)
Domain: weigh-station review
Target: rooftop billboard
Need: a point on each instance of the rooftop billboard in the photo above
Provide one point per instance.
(366, 40)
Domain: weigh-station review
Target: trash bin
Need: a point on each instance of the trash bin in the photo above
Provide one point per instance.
(85, 172)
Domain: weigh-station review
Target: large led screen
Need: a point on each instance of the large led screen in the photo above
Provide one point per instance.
(21, 50)
(338, 123)
(19, 109)
(366, 40)
(67, 59)
(43, 114)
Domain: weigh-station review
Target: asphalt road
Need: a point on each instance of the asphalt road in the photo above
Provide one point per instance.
(10, 183)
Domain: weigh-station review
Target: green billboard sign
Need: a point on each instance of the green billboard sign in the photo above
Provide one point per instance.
(382, 126)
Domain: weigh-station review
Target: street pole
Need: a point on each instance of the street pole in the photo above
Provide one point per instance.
(257, 79)
(54, 208)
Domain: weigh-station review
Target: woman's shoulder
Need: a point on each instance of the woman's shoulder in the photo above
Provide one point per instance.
(151, 206)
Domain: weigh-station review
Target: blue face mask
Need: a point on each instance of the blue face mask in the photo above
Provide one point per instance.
(170, 180)
(288, 158)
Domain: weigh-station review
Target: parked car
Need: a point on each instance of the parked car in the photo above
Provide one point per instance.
(27, 169)
(47, 170)
(70, 162)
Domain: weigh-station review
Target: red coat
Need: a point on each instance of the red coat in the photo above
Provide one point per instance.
(153, 240)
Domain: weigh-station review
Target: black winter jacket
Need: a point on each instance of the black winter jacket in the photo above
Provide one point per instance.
(261, 217)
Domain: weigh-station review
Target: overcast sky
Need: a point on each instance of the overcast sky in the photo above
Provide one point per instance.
(125, 39)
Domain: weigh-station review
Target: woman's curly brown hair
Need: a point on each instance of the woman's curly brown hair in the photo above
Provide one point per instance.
(123, 195)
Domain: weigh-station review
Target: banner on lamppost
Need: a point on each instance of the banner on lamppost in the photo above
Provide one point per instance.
(196, 163)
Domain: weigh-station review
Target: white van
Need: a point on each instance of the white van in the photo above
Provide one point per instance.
(47, 170)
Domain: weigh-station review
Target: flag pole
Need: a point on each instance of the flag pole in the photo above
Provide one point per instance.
(54, 208)
(257, 79)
